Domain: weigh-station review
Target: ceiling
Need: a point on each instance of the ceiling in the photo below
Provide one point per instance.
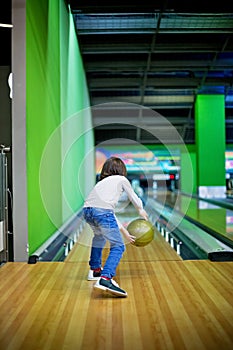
(159, 57)
(149, 57)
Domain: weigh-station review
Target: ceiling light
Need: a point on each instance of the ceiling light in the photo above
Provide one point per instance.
(4, 25)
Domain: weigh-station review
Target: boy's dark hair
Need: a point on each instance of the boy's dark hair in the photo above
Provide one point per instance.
(113, 166)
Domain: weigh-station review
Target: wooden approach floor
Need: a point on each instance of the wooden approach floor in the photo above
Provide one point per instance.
(171, 304)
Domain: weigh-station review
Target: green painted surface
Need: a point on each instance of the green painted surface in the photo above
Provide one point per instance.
(210, 140)
(56, 93)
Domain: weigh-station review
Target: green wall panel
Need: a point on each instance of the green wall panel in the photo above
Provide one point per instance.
(56, 95)
(43, 116)
(188, 170)
(210, 140)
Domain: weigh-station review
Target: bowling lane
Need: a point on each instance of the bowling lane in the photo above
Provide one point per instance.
(157, 250)
(187, 241)
(216, 219)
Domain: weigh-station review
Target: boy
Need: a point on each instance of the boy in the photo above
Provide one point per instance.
(99, 213)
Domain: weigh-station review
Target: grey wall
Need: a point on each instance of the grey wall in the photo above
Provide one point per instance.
(20, 222)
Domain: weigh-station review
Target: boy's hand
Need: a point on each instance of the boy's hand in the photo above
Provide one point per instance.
(130, 238)
(127, 235)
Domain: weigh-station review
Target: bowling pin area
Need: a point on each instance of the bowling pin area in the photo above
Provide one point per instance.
(179, 292)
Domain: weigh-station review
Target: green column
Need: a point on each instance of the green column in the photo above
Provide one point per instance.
(210, 145)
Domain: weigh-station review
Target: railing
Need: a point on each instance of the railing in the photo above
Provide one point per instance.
(61, 243)
(188, 239)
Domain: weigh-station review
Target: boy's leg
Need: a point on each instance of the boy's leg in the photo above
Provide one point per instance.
(95, 261)
(117, 248)
(106, 283)
(114, 257)
(98, 243)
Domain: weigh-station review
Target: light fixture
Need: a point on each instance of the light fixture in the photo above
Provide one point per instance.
(4, 25)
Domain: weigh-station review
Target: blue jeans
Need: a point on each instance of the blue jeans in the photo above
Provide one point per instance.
(105, 228)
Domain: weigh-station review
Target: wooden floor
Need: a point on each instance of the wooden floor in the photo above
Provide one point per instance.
(171, 304)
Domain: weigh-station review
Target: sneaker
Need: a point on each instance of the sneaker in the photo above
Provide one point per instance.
(93, 275)
(110, 286)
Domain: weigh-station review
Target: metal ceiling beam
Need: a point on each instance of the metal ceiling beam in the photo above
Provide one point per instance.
(156, 56)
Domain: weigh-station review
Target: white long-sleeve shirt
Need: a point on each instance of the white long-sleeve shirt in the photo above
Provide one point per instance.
(107, 192)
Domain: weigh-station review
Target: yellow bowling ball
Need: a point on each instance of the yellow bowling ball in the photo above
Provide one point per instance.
(143, 230)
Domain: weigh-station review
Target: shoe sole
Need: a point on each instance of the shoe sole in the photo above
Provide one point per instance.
(93, 279)
(110, 291)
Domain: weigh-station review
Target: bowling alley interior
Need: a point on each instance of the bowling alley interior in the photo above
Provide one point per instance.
(150, 83)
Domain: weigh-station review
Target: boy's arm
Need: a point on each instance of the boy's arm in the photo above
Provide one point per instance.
(143, 213)
(136, 201)
(125, 232)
